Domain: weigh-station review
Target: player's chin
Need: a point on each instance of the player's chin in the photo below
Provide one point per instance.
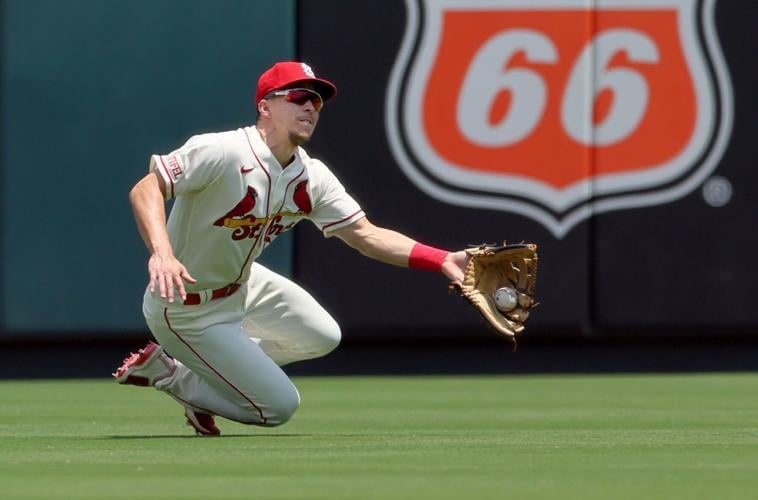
(300, 137)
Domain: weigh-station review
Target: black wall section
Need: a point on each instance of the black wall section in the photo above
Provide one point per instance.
(688, 264)
(683, 267)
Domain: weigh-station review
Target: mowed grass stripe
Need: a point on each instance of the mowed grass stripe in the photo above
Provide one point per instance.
(588, 437)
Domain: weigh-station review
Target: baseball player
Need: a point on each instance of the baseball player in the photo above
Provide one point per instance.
(229, 323)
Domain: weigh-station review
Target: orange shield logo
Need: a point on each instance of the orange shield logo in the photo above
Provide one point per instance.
(556, 110)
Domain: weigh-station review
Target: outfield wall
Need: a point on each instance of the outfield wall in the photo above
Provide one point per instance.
(646, 230)
(644, 209)
(90, 89)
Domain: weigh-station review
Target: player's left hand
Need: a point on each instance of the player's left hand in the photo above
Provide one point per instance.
(454, 265)
(492, 268)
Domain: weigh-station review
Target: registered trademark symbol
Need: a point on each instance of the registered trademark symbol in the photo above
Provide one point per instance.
(717, 191)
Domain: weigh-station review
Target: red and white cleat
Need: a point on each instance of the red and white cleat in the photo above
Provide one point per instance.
(201, 422)
(145, 367)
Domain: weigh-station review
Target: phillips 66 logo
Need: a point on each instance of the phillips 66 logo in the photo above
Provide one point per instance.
(557, 109)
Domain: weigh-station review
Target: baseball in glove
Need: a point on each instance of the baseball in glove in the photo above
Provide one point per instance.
(492, 268)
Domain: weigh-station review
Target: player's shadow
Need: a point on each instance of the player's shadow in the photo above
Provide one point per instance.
(223, 436)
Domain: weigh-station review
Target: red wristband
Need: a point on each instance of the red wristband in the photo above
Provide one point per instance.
(426, 258)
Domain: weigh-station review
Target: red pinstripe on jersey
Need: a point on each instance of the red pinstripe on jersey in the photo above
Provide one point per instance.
(268, 208)
(206, 363)
(342, 220)
(284, 198)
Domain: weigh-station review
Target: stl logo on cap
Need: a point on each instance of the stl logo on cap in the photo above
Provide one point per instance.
(307, 70)
(559, 110)
(288, 72)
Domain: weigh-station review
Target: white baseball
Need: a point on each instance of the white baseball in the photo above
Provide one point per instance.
(506, 299)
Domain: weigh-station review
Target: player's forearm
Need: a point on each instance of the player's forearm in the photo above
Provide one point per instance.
(150, 214)
(397, 249)
(386, 245)
(394, 248)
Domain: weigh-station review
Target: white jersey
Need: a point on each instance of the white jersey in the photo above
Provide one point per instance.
(233, 198)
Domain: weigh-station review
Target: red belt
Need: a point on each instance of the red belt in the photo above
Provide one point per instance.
(194, 299)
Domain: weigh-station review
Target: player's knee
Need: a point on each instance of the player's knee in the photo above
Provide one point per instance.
(282, 409)
(329, 335)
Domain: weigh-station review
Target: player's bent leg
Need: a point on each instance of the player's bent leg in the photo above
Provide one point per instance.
(286, 321)
(220, 371)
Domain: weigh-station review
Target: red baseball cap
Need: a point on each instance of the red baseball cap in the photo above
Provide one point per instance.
(285, 73)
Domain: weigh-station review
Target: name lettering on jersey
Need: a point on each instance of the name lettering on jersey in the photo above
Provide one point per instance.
(174, 167)
(558, 110)
(247, 226)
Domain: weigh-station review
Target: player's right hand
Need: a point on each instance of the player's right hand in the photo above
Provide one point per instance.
(168, 273)
(454, 265)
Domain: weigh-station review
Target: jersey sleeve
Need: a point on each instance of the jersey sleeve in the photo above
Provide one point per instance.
(334, 208)
(192, 167)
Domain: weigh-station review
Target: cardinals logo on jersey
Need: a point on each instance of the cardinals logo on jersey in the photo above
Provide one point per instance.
(286, 217)
(247, 225)
(301, 199)
(557, 110)
(240, 218)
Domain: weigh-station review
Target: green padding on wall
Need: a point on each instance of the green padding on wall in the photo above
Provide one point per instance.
(90, 89)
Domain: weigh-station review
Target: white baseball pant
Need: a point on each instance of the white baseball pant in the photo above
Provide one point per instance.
(229, 351)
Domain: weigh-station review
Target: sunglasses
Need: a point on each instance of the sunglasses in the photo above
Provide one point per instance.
(301, 96)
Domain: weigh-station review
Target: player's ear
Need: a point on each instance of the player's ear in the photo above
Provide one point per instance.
(263, 108)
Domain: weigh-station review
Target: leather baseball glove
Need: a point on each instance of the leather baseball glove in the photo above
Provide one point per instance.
(493, 267)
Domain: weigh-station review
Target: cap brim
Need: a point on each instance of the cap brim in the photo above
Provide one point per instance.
(325, 88)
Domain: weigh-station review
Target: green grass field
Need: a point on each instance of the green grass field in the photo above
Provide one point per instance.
(562, 437)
